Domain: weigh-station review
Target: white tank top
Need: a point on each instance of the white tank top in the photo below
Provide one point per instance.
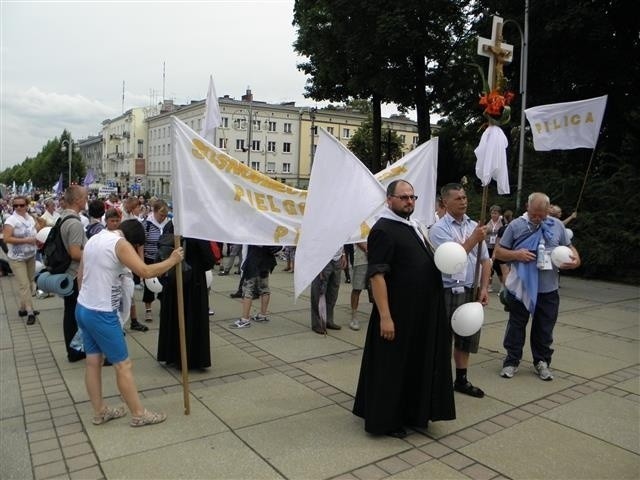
(101, 284)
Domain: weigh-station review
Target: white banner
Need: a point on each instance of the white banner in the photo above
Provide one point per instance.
(342, 196)
(216, 197)
(342, 193)
(564, 126)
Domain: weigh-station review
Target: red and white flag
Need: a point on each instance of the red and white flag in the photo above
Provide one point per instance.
(565, 126)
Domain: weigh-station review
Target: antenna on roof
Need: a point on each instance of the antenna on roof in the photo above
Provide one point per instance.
(163, 81)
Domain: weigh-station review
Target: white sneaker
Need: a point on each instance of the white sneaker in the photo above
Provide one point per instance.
(241, 323)
(260, 318)
(354, 324)
(509, 371)
(543, 371)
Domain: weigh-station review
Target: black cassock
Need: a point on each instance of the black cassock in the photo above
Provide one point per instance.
(199, 257)
(408, 381)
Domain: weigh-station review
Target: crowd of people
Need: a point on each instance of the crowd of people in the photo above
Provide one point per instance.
(119, 245)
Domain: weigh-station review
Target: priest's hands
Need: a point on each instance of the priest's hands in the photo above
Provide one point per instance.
(387, 328)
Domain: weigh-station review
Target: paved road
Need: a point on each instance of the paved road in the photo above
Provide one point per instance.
(276, 402)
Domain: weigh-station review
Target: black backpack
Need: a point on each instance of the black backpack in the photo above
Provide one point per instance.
(55, 257)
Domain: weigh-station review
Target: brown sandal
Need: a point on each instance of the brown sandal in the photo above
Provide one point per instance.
(148, 418)
(109, 414)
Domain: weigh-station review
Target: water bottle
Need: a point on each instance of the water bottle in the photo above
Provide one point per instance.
(540, 254)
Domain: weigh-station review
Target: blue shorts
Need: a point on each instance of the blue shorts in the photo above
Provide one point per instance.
(102, 333)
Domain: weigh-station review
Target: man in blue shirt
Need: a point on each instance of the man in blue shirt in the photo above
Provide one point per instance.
(532, 283)
(456, 226)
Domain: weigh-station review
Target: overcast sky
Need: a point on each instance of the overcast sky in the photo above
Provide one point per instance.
(63, 63)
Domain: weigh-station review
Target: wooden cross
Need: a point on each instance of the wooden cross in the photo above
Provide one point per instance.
(498, 52)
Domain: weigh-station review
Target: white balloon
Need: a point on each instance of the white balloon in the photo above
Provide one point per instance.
(569, 233)
(560, 255)
(42, 234)
(209, 276)
(450, 258)
(153, 284)
(467, 319)
(39, 267)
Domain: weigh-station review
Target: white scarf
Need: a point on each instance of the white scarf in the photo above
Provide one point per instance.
(417, 226)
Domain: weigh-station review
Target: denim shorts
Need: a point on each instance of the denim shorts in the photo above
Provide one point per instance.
(102, 333)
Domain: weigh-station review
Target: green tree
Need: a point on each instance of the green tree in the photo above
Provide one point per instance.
(361, 144)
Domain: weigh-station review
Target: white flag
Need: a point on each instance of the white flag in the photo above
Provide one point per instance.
(564, 126)
(342, 194)
(216, 197)
(492, 158)
(420, 168)
(212, 119)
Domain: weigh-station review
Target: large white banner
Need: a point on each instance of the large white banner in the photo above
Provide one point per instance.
(342, 194)
(564, 126)
(216, 197)
(347, 198)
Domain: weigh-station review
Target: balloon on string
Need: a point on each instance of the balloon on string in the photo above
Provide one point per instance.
(569, 233)
(560, 255)
(467, 319)
(209, 276)
(153, 284)
(42, 234)
(450, 258)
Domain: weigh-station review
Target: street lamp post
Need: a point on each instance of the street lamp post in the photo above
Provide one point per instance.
(524, 46)
(68, 146)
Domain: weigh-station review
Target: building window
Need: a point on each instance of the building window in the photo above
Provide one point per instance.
(346, 133)
(287, 128)
(271, 126)
(199, 124)
(168, 149)
(286, 147)
(222, 143)
(240, 144)
(257, 124)
(403, 139)
(415, 140)
(271, 167)
(224, 122)
(255, 145)
(255, 165)
(240, 123)
(271, 146)
(330, 130)
(163, 150)
(140, 148)
(286, 167)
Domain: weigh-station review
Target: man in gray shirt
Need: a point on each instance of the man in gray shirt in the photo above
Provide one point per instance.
(532, 284)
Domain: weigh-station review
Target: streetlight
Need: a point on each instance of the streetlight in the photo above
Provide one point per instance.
(67, 145)
(524, 47)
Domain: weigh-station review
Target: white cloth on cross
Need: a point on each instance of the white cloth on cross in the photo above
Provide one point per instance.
(492, 159)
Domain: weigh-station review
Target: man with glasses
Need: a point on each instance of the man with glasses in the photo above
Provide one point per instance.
(456, 226)
(405, 377)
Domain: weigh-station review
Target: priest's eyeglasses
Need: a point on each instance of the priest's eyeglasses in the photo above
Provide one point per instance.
(405, 198)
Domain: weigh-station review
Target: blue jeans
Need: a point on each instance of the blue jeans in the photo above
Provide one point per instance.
(542, 324)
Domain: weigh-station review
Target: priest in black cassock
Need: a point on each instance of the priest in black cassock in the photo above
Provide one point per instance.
(199, 257)
(405, 377)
